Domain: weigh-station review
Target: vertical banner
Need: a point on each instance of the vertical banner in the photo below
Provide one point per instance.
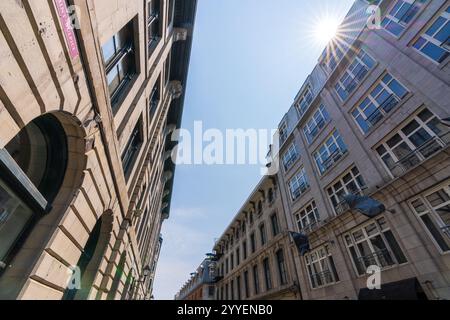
(67, 26)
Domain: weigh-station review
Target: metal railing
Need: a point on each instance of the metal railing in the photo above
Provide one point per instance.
(332, 159)
(343, 206)
(386, 106)
(321, 278)
(423, 152)
(310, 227)
(381, 258)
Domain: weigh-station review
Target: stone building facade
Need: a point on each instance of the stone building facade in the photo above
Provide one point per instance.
(201, 285)
(86, 115)
(368, 121)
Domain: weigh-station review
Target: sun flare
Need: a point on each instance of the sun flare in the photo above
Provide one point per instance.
(326, 29)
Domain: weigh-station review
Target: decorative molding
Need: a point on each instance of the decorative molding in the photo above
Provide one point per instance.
(180, 34)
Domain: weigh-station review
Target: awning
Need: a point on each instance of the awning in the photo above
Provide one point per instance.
(408, 289)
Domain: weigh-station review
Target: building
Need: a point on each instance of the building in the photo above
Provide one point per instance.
(254, 256)
(201, 285)
(368, 122)
(86, 115)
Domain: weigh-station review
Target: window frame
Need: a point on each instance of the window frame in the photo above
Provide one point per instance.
(322, 258)
(305, 214)
(333, 140)
(316, 123)
(390, 16)
(302, 182)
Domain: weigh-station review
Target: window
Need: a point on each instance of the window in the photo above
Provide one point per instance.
(298, 184)
(132, 149)
(32, 169)
(290, 156)
(259, 208)
(232, 261)
(238, 257)
(305, 101)
(251, 217)
(373, 244)
(351, 183)
(246, 289)
(256, 279)
(171, 13)
(227, 288)
(379, 102)
(308, 217)
(321, 268)
(120, 62)
(435, 42)
(315, 123)
(167, 69)
(244, 249)
(283, 132)
(226, 266)
(270, 195)
(232, 289)
(267, 274)
(401, 14)
(238, 287)
(330, 152)
(282, 273)
(421, 138)
(252, 243)
(262, 233)
(153, 25)
(433, 210)
(275, 225)
(154, 99)
(354, 74)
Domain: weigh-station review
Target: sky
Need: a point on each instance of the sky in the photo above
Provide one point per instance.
(249, 59)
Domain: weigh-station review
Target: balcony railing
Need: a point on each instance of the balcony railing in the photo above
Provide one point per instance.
(310, 227)
(381, 258)
(423, 152)
(386, 106)
(321, 278)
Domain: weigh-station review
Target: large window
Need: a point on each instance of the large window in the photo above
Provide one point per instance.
(381, 100)
(154, 99)
(422, 137)
(433, 210)
(333, 54)
(435, 42)
(298, 184)
(32, 170)
(120, 62)
(330, 152)
(373, 244)
(244, 249)
(171, 12)
(256, 279)
(153, 25)
(354, 74)
(283, 132)
(282, 273)
(308, 217)
(262, 233)
(290, 156)
(315, 123)
(305, 101)
(350, 183)
(267, 274)
(275, 224)
(252, 243)
(132, 149)
(246, 288)
(400, 15)
(321, 267)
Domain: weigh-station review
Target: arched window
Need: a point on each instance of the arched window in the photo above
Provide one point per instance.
(32, 169)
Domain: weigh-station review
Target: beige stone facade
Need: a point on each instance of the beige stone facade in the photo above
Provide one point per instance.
(85, 139)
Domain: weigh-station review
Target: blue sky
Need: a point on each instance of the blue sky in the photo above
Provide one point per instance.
(249, 59)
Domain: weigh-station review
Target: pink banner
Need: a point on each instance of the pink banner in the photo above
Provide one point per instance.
(66, 23)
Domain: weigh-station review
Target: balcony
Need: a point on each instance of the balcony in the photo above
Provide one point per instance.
(381, 258)
(310, 227)
(423, 152)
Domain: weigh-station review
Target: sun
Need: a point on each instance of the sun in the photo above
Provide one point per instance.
(325, 29)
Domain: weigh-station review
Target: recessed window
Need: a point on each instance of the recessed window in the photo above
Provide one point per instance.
(171, 13)
(374, 244)
(298, 184)
(153, 25)
(132, 149)
(400, 15)
(433, 210)
(305, 101)
(315, 123)
(351, 182)
(307, 218)
(154, 99)
(418, 140)
(256, 279)
(275, 224)
(283, 132)
(330, 152)
(379, 102)
(267, 274)
(167, 69)
(282, 272)
(252, 243)
(120, 62)
(290, 156)
(435, 42)
(321, 267)
(262, 234)
(354, 74)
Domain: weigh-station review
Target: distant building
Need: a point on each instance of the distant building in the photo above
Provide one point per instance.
(85, 170)
(201, 284)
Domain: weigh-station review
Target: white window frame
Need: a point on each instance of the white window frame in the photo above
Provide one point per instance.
(290, 157)
(353, 77)
(373, 102)
(436, 219)
(430, 39)
(315, 123)
(391, 15)
(305, 101)
(283, 132)
(324, 153)
(356, 178)
(307, 217)
(320, 262)
(298, 182)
